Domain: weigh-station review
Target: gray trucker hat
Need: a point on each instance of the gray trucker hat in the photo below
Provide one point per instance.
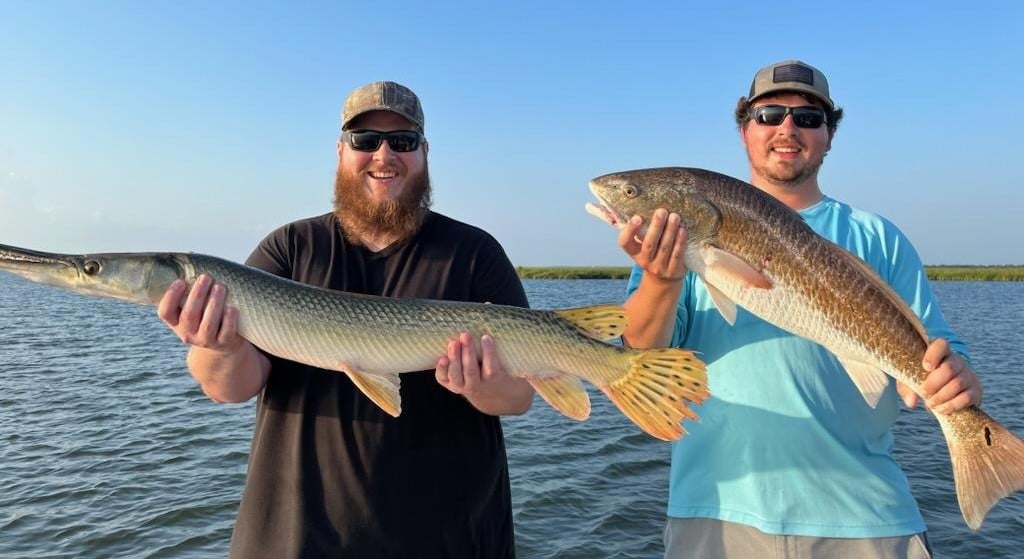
(791, 75)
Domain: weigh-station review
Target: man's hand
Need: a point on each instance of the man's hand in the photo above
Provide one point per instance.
(227, 367)
(660, 252)
(462, 372)
(482, 380)
(951, 384)
(202, 320)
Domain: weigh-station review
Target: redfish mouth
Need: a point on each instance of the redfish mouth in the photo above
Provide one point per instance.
(606, 214)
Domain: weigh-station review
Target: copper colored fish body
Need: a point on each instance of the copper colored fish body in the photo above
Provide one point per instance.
(751, 250)
(375, 339)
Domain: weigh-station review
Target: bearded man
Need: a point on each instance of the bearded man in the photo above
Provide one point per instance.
(331, 474)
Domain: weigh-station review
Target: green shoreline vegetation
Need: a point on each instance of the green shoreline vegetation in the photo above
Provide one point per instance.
(935, 273)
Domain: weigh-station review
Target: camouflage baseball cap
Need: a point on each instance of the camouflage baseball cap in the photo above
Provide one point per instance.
(791, 75)
(383, 96)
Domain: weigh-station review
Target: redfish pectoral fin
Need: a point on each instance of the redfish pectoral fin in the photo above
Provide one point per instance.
(722, 268)
(734, 269)
(723, 303)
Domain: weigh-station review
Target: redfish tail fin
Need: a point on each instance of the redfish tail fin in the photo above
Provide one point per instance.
(988, 462)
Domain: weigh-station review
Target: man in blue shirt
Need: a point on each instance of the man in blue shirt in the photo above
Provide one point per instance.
(788, 460)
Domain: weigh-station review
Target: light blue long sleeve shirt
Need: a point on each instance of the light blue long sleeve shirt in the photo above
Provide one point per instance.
(786, 443)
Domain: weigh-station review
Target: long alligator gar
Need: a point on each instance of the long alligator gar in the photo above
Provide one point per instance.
(374, 339)
(751, 250)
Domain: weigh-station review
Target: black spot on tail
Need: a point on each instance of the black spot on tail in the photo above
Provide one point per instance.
(988, 436)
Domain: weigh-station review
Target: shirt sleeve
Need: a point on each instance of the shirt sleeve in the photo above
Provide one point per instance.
(497, 280)
(271, 255)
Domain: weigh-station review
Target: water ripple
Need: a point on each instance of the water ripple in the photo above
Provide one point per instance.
(110, 450)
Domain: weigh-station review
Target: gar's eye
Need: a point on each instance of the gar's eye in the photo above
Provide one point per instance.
(91, 267)
(630, 191)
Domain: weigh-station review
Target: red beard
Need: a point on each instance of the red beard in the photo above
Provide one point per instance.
(362, 217)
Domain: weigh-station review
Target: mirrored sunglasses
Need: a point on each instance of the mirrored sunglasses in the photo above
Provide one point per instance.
(369, 140)
(803, 117)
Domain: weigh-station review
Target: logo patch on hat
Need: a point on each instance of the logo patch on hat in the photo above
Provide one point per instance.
(793, 73)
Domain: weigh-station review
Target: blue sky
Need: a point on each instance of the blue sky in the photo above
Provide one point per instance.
(201, 126)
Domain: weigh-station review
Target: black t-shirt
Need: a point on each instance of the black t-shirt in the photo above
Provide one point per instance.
(330, 473)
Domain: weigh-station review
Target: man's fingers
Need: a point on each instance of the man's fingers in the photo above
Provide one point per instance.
(940, 376)
(470, 362)
(937, 351)
(455, 378)
(213, 313)
(949, 390)
(655, 229)
(910, 398)
(679, 246)
(628, 234)
(959, 402)
(441, 371)
(169, 308)
(192, 311)
(668, 236)
(490, 363)
(228, 327)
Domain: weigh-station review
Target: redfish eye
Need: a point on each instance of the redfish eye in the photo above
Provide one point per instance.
(91, 267)
(630, 191)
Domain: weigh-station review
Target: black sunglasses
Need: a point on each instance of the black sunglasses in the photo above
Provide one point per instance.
(369, 140)
(803, 117)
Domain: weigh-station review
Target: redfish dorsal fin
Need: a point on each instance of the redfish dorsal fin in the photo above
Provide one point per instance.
(600, 322)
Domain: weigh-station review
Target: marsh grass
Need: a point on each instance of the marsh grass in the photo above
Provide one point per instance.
(935, 273)
(975, 273)
(573, 272)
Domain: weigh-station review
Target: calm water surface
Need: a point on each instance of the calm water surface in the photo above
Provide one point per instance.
(108, 449)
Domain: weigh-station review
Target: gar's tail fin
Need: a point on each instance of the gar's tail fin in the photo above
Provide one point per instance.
(654, 393)
(988, 461)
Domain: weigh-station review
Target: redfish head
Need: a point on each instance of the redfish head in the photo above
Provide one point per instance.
(640, 192)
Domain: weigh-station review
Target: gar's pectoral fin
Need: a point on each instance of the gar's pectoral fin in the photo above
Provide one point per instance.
(381, 388)
(564, 392)
(869, 379)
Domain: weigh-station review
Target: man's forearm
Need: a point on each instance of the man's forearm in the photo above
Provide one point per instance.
(651, 312)
(513, 397)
